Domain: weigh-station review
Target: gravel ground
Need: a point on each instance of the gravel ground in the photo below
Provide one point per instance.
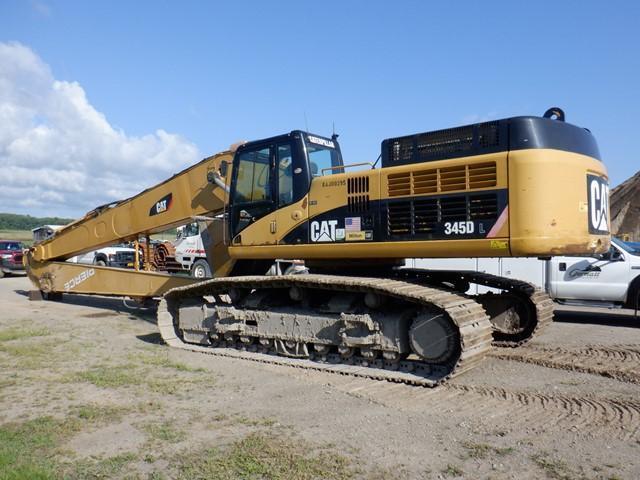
(113, 402)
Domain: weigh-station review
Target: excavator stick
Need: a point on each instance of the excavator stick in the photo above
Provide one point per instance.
(53, 278)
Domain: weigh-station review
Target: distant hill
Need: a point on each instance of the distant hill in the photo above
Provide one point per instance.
(12, 221)
(625, 208)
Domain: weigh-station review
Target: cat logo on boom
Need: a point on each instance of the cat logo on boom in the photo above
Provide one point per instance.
(161, 205)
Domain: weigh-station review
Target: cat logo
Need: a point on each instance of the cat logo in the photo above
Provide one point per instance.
(324, 231)
(598, 208)
(161, 205)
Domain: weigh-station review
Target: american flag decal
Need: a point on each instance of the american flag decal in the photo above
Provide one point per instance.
(352, 224)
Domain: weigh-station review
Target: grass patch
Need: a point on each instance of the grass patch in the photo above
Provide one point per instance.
(261, 456)
(253, 422)
(26, 449)
(452, 471)
(164, 432)
(25, 236)
(483, 450)
(7, 383)
(140, 376)
(99, 414)
(111, 377)
(28, 355)
(104, 468)
(553, 467)
(17, 333)
(163, 360)
(241, 419)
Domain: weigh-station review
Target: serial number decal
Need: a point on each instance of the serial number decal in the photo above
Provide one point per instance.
(334, 183)
(321, 141)
(78, 279)
(458, 228)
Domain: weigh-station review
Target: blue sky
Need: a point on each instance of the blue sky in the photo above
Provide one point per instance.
(217, 72)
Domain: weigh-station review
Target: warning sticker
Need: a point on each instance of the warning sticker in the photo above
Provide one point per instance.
(499, 244)
(356, 236)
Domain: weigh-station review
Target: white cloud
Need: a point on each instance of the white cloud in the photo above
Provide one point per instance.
(41, 8)
(59, 155)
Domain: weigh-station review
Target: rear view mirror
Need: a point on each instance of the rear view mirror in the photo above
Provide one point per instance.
(223, 168)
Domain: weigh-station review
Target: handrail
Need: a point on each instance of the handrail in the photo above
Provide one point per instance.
(346, 166)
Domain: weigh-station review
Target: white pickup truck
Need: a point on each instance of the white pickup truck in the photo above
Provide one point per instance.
(608, 280)
(121, 256)
(612, 279)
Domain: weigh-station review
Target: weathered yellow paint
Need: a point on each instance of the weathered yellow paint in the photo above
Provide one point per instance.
(546, 212)
(68, 277)
(547, 215)
(191, 193)
(432, 248)
(547, 195)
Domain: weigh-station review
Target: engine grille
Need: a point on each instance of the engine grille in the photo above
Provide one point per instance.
(421, 216)
(446, 179)
(358, 194)
(125, 257)
(453, 142)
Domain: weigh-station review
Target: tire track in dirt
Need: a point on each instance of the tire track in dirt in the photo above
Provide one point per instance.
(620, 362)
(504, 408)
(615, 417)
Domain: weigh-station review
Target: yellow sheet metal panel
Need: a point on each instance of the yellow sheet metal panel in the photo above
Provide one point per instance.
(477, 173)
(495, 247)
(67, 277)
(168, 204)
(549, 203)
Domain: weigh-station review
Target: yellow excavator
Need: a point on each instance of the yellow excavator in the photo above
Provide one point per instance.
(516, 187)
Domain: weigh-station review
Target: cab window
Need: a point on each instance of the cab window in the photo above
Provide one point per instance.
(252, 196)
(323, 155)
(612, 255)
(253, 182)
(319, 159)
(285, 175)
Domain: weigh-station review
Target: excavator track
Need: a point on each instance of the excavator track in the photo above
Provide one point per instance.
(472, 325)
(537, 306)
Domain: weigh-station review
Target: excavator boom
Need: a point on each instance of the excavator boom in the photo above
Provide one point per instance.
(161, 207)
(196, 191)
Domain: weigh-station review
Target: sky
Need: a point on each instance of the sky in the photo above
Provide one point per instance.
(99, 100)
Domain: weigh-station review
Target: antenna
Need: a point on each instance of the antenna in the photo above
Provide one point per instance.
(333, 128)
(334, 135)
(306, 124)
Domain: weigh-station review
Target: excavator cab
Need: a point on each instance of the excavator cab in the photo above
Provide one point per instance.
(274, 173)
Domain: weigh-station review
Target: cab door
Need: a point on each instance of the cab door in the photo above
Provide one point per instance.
(253, 194)
(286, 223)
(289, 221)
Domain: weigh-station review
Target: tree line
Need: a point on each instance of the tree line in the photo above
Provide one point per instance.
(12, 221)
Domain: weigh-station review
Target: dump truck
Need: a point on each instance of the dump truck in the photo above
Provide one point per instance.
(515, 187)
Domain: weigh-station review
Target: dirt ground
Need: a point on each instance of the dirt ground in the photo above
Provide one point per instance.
(87, 390)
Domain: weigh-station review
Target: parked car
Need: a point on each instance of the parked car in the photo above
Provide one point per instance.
(609, 280)
(11, 258)
(121, 256)
(635, 246)
(612, 278)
